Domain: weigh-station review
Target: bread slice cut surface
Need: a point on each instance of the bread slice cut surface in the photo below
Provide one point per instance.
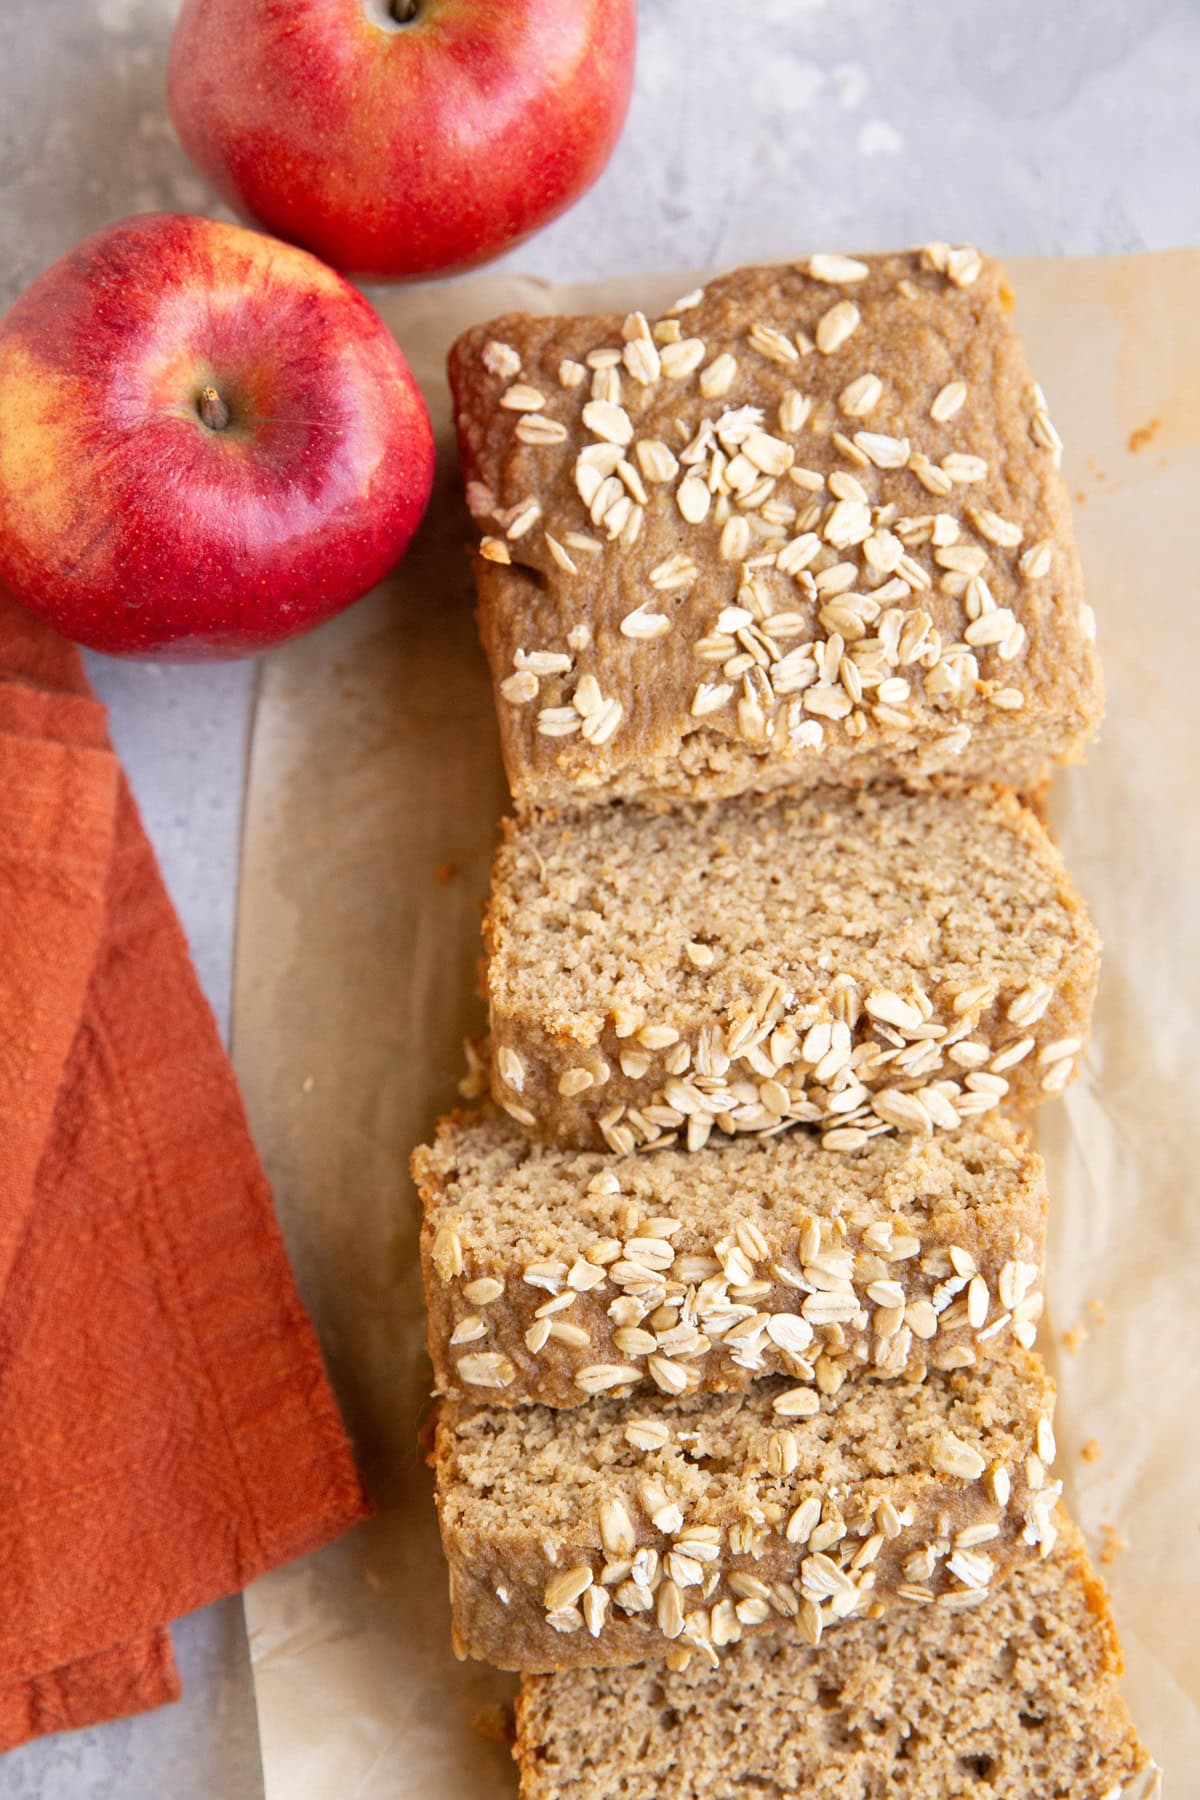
(602, 1535)
(878, 961)
(1014, 1698)
(556, 1275)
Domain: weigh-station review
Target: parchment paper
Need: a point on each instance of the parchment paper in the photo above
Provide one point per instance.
(374, 791)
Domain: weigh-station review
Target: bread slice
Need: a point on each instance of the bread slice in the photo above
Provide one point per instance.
(866, 962)
(1014, 1699)
(809, 527)
(598, 1536)
(551, 1275)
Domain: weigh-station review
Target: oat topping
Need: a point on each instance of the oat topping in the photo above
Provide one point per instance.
(501, 360)
(837, 269)
(836, 326)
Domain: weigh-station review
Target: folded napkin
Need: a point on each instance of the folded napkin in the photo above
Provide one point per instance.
(167, 1431)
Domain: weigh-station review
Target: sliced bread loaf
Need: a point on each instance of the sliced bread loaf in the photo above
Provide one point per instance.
(809, 527)
(598, 1536)
(1013, 1699)
(552, 1275)
(866, 962)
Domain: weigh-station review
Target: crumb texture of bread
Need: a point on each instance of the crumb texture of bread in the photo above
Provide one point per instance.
(1013, 1699)
(882, 960)
(683, 1271)
(808, 528)
(599, 1536)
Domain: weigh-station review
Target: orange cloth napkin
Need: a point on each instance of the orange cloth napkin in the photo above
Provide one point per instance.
(167, 1431)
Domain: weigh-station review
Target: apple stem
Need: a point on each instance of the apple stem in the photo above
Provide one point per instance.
(405, 11)
(212, 409)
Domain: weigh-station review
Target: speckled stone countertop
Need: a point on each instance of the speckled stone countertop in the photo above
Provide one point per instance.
(759, 128)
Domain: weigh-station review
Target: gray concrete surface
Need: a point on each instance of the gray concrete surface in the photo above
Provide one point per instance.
(758, 127)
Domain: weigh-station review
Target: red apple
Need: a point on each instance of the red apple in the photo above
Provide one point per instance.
(399, 138)
(208, 443)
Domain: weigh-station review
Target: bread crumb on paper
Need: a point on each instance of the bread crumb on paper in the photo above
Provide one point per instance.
(1144, 435)
(1114, 1543)
(494, 1724)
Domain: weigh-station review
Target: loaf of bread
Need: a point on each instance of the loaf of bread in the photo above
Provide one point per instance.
(552, 1275)
(866, 962)
(786, 578)
(1013, 1699)
(809, 527)
(598, 1536)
